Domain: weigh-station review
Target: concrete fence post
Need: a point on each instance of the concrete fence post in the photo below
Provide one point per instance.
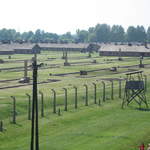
(42, 103)
(25, 68)
(86, 94)
(99, 53)
(145, 79)
(65, 100)
(1, 126)
(59, 113)
(112, 89)
(63, 57)
(76, 98)
(104, 97)
(54, 100)
(95, 93)
(99, 102)
(14, 110)
(120, 88)
(29, 106)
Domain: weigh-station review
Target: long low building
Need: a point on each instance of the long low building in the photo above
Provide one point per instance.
(104, 49)
(6, 49)
(124, 50)
(6, 52)
(29, 49)
(63, 47)
(9, 49)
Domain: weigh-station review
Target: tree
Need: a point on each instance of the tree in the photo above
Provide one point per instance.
(99, 33)
(102, 33)
(82, 36)
(148, 34)
(91, 30)
(137, 34)
(66, 38)
(38, 36)
(140, 34)
(17, 37)
(91, 35)
(117, 34)
(131, 34)
(6, 35)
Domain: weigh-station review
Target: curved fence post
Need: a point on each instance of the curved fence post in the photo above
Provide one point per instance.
(29, 106)
(120, 88)
(95, 93)
(86, 96)
(63, 57)
(75, 98)
(59, 113)
(1, 126)
(104, 97)
(54, 100)
(112, 89)
(99, 102)
(65, 100)
(145, 78)
(14, 110)
(42, 103)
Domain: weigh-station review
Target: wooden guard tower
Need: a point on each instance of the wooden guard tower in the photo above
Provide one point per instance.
(134, 89)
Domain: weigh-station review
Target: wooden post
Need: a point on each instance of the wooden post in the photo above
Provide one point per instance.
(54, 100)
(66, 57)
(1, 126)
(25, 68)
(42, 103)
(86, 95)
(59, 114)
(75, 98)
(65, 100)
(95, 93)
(63, 57)
(29, 106)
(112, 89)
(34, 122)
(120, 95)
(14, 110)
(145, 78)
(89, 55)
(104, 97)
(99, 102)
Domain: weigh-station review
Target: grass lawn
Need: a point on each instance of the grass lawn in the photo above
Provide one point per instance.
(94, 127)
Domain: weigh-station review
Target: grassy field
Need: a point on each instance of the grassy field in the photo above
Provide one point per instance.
(94, 127)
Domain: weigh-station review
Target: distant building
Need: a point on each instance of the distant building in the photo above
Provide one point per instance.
(30, 49)
(124, 50)
(9, 49)
(6, 49)
(104, 49)
(81, 47)
(63, 47)
(6, 52)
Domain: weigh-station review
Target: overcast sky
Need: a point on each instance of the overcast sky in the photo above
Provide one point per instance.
(60, 16)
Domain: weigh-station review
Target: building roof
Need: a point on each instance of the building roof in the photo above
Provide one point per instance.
(104, 47)
(16, 46)
(124, 48)
(69, 45)
(11, 47)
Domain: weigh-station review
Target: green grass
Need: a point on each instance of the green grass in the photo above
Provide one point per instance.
(90, 127)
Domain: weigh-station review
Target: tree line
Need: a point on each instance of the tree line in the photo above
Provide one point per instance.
(100, 33)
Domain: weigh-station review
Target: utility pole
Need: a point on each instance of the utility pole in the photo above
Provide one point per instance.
(34, 122)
